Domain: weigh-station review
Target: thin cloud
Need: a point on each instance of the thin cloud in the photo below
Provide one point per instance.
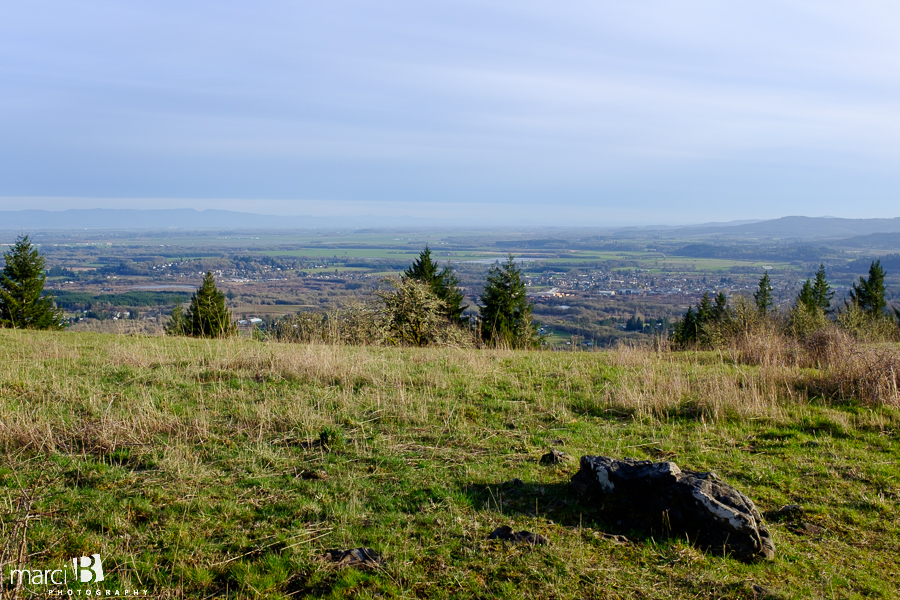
(583, 104)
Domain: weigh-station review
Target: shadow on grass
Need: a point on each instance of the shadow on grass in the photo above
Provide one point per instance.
(553, 501)
(562, 505)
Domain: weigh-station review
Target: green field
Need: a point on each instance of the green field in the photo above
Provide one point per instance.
(257, 310)
(204, 469)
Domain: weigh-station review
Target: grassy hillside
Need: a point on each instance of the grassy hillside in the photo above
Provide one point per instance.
(207, 469)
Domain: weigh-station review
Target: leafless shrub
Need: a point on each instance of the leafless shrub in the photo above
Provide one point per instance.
(356, 324)
(408, 314)
(851, 369)
(415, 316)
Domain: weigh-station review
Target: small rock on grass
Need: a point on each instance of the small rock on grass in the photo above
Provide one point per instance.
(506, 534)
(356, 557)
(554, 457)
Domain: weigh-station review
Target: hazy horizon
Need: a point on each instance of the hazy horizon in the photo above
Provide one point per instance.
(490, 215)
(452, 214)
(219, 219)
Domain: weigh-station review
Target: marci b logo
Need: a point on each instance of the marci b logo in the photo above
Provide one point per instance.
(89, 569)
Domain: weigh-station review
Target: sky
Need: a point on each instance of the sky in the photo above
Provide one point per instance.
(565, 113)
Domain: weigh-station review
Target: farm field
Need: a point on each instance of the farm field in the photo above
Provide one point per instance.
(270, 309)
(204, 469)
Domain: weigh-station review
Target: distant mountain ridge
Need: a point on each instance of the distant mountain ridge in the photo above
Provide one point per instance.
(786, 228)
(802, 228)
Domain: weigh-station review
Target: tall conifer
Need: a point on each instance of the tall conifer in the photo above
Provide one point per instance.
(763, 295)
(22, 303)
(444, 284)
(868, 294)
(822, 293)
(506, 310)
(207, 316)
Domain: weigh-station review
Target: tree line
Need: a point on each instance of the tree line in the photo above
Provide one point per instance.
(424, 306)
(866, 314)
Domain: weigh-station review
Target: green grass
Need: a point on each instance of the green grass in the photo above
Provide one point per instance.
(195, 468)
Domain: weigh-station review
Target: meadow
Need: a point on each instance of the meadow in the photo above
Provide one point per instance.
(227, 468)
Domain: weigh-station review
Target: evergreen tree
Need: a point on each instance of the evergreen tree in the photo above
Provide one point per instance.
(22, 305)
(506, 311)
(635, 323)
(763, 295)
(686, 331)
(805, 297)
(816, 295)
(423, 268)
(177, 324)
(443, 284)
(207, 315)
(868, 294)
(822, 293)
(704, 309)
(720, 310)
(691, 329)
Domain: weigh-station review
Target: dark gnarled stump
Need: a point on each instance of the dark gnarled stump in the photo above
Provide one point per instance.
(661, 499)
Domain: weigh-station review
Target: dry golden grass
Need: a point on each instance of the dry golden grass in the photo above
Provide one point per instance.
(61, 392)
(88, 395)
(828, 361)
(849, 368)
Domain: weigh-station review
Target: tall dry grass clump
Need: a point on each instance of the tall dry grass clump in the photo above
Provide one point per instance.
(854, 356)
(655, 383)
(851, 369)
(764, 345)
(845, 364)
(746, 336)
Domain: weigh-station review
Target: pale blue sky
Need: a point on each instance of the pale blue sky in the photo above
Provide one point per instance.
(592, 113)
